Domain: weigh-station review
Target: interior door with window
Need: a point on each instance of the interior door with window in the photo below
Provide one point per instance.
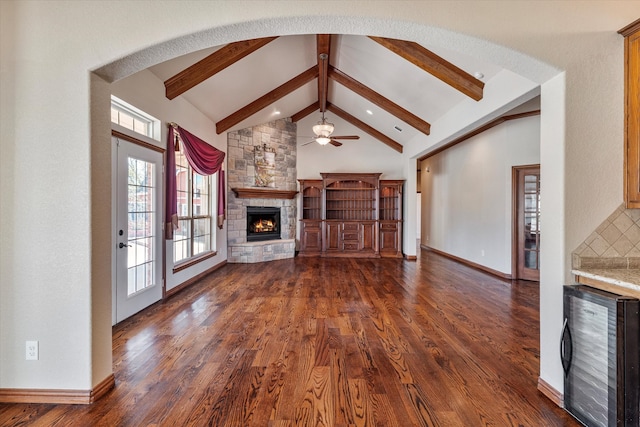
(138, 229)
(526, 195)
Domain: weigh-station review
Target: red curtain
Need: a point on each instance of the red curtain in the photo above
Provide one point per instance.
(204, 159)
(222, 197)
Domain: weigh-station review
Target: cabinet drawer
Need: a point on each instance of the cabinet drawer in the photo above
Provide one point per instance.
(350, 237)
(388, 226)
(350, 227)
(350, 246)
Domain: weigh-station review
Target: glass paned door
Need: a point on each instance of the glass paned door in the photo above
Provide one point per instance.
(138, 228)
(527, 217)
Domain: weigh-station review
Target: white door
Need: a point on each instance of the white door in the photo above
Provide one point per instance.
(138, 228)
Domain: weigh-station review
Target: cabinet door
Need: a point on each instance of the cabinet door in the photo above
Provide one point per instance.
(332, 236)
(632, 121)
(310, 237)
(369, 237)
(388, 237)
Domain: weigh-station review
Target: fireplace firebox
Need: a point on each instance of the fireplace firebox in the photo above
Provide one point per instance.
(263, 223)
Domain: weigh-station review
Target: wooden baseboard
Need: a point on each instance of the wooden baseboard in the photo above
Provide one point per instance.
(65, 397)
(411, 257)
(551, 393)
(194, 279)
(469, 263)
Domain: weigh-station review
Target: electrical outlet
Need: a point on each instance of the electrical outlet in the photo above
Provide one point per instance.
(32, 350)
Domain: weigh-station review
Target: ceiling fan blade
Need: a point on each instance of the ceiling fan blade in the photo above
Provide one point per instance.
(346, 137)
(335, 143)
(307, 143)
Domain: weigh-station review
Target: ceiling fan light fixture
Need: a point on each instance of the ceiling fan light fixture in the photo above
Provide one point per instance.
(323, 140)
(323, 129)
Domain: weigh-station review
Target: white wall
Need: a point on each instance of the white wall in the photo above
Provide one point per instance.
(554, 252)
(146, 92)
(364, 155)
(466, 193)
(55, 250)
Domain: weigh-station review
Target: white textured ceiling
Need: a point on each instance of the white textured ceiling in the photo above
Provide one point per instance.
(358, 56)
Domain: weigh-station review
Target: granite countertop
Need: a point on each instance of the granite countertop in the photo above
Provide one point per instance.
(623, 277)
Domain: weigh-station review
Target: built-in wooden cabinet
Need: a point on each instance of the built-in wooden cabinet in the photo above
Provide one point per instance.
(631, 35)
(351, 211)
(391, 218)
(311, 222)
(352, 215)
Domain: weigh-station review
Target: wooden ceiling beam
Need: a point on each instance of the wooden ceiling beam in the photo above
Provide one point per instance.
(323, 42)
(211, 65)
(305, 112)
(267, 99)
(435, 65)
(365, 127)
(382, 102)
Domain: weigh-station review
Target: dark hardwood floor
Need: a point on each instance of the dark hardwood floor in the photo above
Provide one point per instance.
(325, 342)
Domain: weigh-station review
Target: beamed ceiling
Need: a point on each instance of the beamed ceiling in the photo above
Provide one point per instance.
(389, 89)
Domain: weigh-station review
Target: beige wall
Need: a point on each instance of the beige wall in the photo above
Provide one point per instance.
(54, 118)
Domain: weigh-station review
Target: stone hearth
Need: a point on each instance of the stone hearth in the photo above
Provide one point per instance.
(280, 136)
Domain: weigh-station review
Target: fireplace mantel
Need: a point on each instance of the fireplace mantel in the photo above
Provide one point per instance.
(263, 193)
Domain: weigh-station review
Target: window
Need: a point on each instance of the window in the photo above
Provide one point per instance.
(130, 117)
(193, 236)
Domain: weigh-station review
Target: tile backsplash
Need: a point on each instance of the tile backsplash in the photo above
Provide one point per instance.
(614, 244)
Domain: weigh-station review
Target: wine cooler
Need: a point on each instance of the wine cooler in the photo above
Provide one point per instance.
(600, 357)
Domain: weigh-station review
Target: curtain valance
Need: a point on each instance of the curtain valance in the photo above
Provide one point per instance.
(203, 158)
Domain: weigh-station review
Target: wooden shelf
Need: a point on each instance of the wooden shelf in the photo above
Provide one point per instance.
(349, 189)
(263, 193)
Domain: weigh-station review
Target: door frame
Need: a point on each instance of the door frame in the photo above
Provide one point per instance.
(118, 132)
(515, 170)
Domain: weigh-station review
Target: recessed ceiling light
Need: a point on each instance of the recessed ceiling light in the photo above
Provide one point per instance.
(370, 112)
(276, 113)
(478, 75)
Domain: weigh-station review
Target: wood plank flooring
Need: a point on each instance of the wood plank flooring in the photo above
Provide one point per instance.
(325, 342)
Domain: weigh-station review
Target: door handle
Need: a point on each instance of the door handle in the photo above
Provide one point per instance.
(122, 245)
(566, 347)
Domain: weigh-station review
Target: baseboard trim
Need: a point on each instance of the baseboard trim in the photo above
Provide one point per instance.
(468, 263)
(64, 397)
(411, 257)
(103, 387)
(551, 393)
(194, 279)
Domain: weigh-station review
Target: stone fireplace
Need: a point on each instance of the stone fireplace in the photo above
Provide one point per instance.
(242, 192)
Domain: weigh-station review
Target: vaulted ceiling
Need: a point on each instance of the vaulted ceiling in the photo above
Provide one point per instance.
(389, 89)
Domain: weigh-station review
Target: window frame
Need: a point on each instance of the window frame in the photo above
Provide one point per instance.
(152, 124)
(212, 194)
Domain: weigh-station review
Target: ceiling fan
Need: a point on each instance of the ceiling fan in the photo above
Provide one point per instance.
(323, 131)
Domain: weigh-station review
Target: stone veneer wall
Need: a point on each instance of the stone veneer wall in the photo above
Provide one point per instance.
(279, 135)
(614, 244)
